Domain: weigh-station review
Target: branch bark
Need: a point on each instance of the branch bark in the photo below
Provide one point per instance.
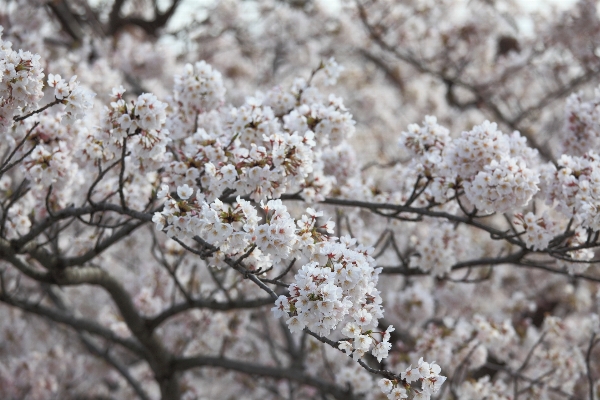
(183, 364)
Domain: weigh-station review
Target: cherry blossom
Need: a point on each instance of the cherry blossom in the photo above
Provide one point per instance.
(370, 199)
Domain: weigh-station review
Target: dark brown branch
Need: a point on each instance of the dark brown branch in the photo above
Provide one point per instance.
(299, 376)
(39, 110)
(151, 27)
(158, 356)
(100, 247)
(214, 305)
(70, 212)
(78, 324)
(116, 364)
(66, 18)
(5, 164)
(238, 264)
(7, 253)
(392, 75)
(588, 357)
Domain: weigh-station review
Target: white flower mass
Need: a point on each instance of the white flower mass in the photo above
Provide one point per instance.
(373, 200)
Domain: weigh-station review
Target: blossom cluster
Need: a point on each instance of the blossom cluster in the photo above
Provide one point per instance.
(340, 284)
(323, 293)
(337, 284)
(138, 126)
(198, 90)
(502, 186)
(496, 177)
(428, 146)
(428, 374)
(235, 228)
(76, 99)
(485, 388)
(490, 166)
(251, 149)
(439, 250)
(46, 167)
(582, 124)
(330, 121)
(427, 143)
(332, 71)
(20, 82)
(356, 377)
(538, 231)
(359, 341)
(232, 228)
(574, 188)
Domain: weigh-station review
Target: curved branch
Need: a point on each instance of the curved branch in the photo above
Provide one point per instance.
(39, 110)
(214, 305)
(114, 238)
(7, 253)
(294, 375)
(588, 357)
(116, 364)
(158, 356)
(72, 212)
(79, 324)
(238, 264)
(496, 233)
(151, 27)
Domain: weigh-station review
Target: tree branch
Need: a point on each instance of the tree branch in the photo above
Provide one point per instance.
(183, 364)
